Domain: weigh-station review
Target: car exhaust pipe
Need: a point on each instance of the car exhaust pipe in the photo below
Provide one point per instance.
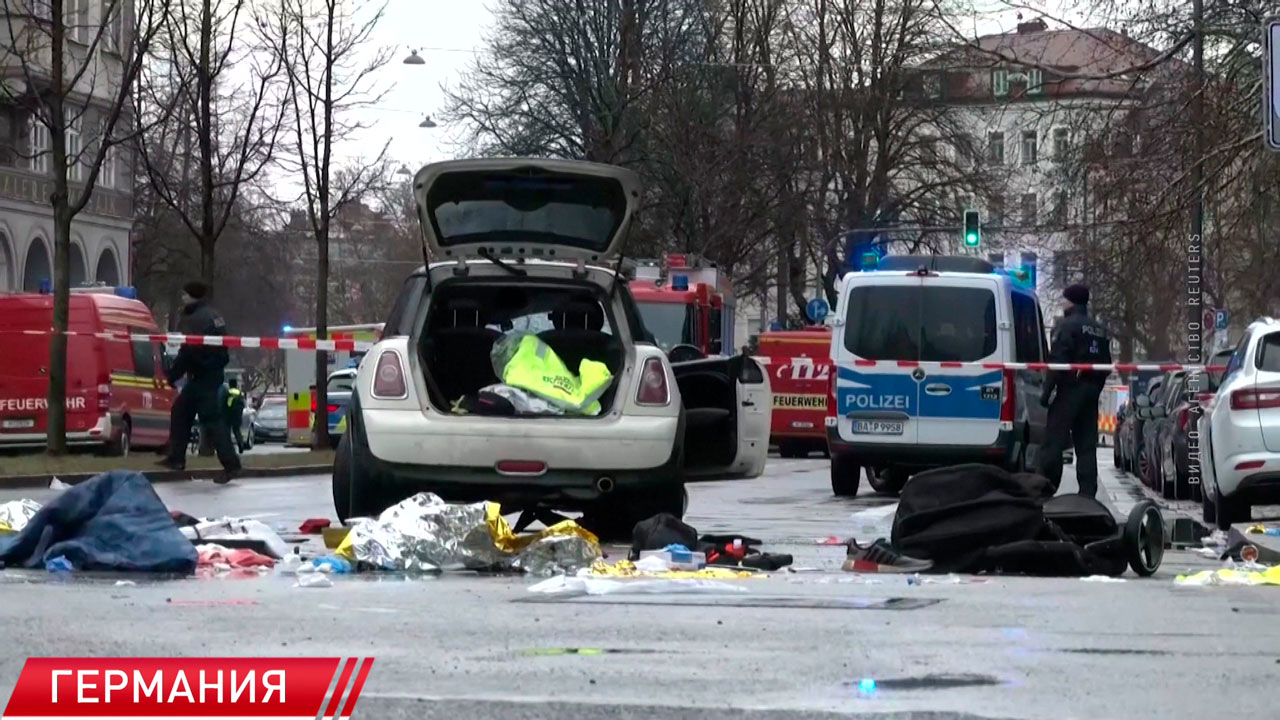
(604, 484)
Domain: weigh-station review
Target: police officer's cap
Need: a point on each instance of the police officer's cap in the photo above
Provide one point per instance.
(1077, 294)
(196, 289)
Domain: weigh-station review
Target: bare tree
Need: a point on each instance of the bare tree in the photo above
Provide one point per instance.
(78, 73)
(190, 91)
(324, 49)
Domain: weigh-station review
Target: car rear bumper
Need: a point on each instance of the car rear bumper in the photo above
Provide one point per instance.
(102, 433)
(1256, 485)
(622, 465)
(1002, 452)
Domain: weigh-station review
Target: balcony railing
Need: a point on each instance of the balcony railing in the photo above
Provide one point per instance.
(30, 187)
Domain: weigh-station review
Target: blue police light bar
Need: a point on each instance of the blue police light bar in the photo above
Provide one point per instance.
(128, 293)
(679, 282)
(288, 328)
(870, 261)
(46, 286)
(1023, 277)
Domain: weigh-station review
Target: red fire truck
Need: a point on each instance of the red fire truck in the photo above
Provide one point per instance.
(685, 300)
(799, 363)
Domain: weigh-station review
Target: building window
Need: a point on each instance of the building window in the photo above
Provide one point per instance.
(1029, 209)
(108, 172)
(76, 20)
(113, 35)
(1060, 207)
(1029, 147)
(1035, 82)
(997, 209)
(1060, 146)
(42, 10)
(39, 143)
(1000, 83)
(74, 144)
(933, 85)
(995, 148)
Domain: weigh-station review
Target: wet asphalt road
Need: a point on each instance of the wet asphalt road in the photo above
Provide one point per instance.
(470, 646)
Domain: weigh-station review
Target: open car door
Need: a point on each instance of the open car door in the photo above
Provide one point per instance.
(726, 404)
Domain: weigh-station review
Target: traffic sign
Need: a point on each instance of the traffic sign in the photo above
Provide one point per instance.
(1220, 319)
(1271, 98)
(817, 310)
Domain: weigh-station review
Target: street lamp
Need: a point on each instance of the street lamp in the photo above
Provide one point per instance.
(414, 59)
(427, 122)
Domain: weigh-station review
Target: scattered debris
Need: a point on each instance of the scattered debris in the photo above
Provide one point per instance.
(562, 585)
(313, 580)
(15, 514)
(238, 533)
(126, 583)
(1229, 576)
(314, 526)
(628, 569)
(1102, 579)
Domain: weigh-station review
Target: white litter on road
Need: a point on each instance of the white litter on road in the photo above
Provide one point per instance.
(314, 580)
(56, 484)
(563, 585)
(1102, 579)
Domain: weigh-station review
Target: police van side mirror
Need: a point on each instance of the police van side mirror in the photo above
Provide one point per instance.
(1143, 401)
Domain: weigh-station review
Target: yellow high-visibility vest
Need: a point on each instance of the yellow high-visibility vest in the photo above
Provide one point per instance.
(536, 368)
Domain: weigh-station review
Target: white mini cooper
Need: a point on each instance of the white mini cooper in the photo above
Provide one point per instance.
(525, 245)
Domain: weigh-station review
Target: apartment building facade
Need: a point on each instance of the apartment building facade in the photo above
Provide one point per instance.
(100, 249)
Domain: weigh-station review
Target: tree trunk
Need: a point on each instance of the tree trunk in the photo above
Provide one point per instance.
(57, 399)
(204, 86)
(783, 276)
(320, 431)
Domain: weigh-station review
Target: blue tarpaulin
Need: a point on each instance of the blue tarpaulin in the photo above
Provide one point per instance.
(114, 521)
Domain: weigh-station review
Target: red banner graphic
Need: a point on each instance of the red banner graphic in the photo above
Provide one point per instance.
(188, 688)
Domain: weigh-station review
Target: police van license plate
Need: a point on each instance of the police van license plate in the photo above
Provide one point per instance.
(877, 427)
(22, 424)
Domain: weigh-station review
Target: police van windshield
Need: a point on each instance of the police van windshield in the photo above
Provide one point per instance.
(934, 324)
(670, 323)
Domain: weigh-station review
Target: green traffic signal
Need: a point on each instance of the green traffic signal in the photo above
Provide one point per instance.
(972, 228)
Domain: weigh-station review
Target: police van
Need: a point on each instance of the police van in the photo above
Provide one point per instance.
(893, 409)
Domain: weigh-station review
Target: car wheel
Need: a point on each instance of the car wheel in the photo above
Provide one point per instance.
(1230, 511)
(121, 446)
(1144, 538)
(887, 481)
(1208, 512)
(1197, 492)
(342, 462)
(1115, 455)
(787, 449)
(1168, 485)
(845, 475)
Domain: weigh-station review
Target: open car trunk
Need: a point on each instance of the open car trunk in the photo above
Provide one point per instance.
(467, 317)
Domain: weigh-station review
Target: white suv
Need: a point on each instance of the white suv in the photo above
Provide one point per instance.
(532, 246)
(1240, 430)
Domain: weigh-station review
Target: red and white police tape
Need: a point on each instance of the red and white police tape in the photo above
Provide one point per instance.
(228, 341)
(925, 365)
(302, 688)
(266, 343)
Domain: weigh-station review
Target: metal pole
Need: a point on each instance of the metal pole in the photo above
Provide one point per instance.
(1195, 250)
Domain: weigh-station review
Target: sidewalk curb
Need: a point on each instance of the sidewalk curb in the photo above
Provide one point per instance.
(163, 476)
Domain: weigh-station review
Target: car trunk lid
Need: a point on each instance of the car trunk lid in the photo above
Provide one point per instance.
(525, 208)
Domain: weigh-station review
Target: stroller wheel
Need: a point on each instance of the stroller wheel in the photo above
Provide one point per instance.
(1144, 538)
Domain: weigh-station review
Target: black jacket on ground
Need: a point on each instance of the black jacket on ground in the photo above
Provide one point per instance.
(1078, 338)
(201, 362)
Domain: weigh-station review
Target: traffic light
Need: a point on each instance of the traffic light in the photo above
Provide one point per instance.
(972, 229)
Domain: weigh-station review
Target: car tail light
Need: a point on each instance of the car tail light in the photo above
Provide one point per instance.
(1184, 416)
(521, 467)
(1009, 404)
(104, 397)
(1250, 465)
(333, 409)
(653, 384)
(1204, 397)
(313, 402)
(388, 376)
(1254, 399)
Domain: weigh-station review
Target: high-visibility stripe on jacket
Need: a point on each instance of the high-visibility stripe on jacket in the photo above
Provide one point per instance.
(536, 368)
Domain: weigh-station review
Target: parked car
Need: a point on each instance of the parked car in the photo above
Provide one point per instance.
(117, 394)
(1147, 399)
(338, 392)
(532, 245)
(1180, 473)
(271, 424)
(1157, 428)
(1241, 430)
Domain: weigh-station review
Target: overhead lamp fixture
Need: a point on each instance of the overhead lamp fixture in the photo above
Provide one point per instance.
(427, 122)
(414, 59)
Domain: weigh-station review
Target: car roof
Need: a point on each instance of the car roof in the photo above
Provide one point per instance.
(525, 263)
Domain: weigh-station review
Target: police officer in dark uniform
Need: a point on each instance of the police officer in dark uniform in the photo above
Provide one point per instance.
(203, 366)
(1072, 396)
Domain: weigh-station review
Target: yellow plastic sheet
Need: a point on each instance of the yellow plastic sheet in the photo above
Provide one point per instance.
(625, 568)
(507, 541)
(1270, 576)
